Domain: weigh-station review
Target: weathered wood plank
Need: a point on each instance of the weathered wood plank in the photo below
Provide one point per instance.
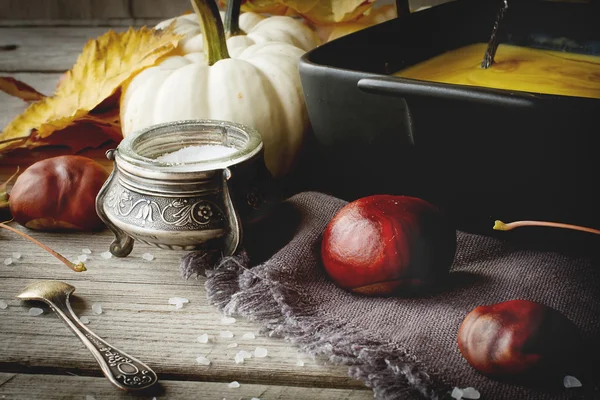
(137, 318)
(159, 9)
(49, 387)
(64, 9)
(45, 49)
(95, 22)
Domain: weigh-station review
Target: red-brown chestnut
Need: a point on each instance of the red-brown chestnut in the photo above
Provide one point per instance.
(517, 339)
(58, 193)
(385, 244)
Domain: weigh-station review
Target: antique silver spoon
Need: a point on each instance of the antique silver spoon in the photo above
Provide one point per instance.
(122, 370)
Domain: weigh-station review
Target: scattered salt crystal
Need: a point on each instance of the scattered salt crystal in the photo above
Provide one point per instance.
(241, 355)
(300, 363)
(82, 258)
(260, 352)
(248, 335)
(7, 261)
(84, 320)
(456, 393)
(106, 255)
(245, 354)
(196, 153)
(97, 308)
(3, 305)
(203, 338)
(238, 359)
(234, 385)
(226, 334)
(86, 251)
(202, 360)
(178, 301)
(34, 311)
(147, 256)
(89, 397)
(255, 398)
(571, 382)
(231, 345)
(227, 320)
(470, 393)
(16, 255)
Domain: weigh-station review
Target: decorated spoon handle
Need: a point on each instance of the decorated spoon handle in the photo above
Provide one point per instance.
(122, 370)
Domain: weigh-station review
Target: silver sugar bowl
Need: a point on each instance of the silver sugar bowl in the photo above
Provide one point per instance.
(187, 205)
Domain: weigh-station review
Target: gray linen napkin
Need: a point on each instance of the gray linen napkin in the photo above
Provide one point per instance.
(402, 348)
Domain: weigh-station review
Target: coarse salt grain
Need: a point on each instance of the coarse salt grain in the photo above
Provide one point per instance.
(233, 385)
(3, 305)
(255, 398)
(203, 338)
(34, 311)
(84, 320)
(89, 397)
(226, 334)
(238, 359)
(175, 300)
(232, 345)
(470, 393)
(106, 255)
(571, 382)
(260, 352)
(147, 256)
(300, 363)
(227, 320)
(86, 251)
(82, 258)
(196, 153)
(97, 308)
(241, 355)
(456, 393)
(8, 261)
(16, 255)
(248, 335)
(202, 360)
(245, 354)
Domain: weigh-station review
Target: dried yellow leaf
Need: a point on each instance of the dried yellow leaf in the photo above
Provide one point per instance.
(324, 12)
(19, 89)
(104, 65)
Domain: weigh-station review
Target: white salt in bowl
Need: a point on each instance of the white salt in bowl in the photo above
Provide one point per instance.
(184, 185)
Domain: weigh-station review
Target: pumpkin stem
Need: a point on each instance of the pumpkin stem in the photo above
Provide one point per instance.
(232, 18)
(213, 33)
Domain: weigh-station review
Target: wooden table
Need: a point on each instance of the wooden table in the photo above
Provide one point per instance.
(41, 358)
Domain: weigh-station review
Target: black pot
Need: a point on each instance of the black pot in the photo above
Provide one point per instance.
(481, 154)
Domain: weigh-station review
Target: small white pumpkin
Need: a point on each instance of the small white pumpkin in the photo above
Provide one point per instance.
(259, 86)
(257, 29)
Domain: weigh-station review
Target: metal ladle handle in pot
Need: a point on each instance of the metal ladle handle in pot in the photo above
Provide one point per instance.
(233, 237)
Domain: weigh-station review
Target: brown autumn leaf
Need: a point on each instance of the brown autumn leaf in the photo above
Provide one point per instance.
(19, 89)
(104, 65)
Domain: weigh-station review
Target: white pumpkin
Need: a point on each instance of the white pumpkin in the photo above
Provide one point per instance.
(258, 86)
(258, 29)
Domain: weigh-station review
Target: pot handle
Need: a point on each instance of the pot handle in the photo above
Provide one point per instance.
(407, 88)
(122, 245)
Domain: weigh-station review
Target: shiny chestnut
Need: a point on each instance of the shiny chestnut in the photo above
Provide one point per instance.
(58, 193)
(386, 244)
(517, 339)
